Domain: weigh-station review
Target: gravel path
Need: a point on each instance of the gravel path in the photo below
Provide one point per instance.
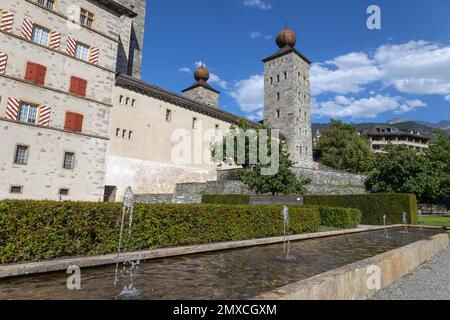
(431, 281)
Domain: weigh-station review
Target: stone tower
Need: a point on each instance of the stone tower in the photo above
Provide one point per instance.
(201, 91)
(131, 38)
(287, 104)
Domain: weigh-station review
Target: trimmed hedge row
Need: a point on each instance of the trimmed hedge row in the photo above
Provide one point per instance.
(232, 199)
(36, 230)
(342, 218)
(372, 206)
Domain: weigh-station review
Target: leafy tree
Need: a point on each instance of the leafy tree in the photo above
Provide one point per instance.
(439, 153)
(283, 181)
(342, 148)
(402, 170)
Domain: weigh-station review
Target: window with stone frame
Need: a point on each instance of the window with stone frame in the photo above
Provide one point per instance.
(69, 160)
(49, 4)
(82, 51)
(21, 154)
(40, 35)
(87, 18)
(27, 113)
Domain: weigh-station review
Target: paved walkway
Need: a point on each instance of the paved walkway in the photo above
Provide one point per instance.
(431, 281)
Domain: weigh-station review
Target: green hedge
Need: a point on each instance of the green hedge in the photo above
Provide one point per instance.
(372, 206)
(342, 218)
(36, 230)
(232, 199)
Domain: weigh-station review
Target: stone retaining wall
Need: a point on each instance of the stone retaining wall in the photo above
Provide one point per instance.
(168, 198)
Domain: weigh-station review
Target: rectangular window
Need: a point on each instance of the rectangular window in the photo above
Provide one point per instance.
(278, 96)
(117, 132)
(86, 18)
(78, 86)
(63, 192)
(16, 189)
(40, 35)
(69, 160)
(27, 113)
(194, 123)
(124, 133)
(74, 122)
(82, 51)
(121, 99)
(285, 76)
(278, 113)
(127, 101)
(133, 102)
(130, 135)
(168, 115)
(21, 155)
(271, 80)
(49, 4)
(35, 73)
(217, 130)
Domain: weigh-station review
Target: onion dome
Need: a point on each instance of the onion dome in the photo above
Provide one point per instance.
(286, 38)
(201, 74)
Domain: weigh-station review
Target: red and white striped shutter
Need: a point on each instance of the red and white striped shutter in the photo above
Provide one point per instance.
(12, 108)
(55, 40)
(71, 45)
(27, 29)
(44, 116)
(6, 21)
(93, 58)
(3, 61)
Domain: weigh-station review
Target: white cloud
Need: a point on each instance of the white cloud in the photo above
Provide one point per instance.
(249, 95)
(447, 97)
(370, 107)
(256, 35)
(260, 4)
(185, 69)
(415, 67)
(259, 35)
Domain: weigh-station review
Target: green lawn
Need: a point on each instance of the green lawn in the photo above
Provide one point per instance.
(437, 221)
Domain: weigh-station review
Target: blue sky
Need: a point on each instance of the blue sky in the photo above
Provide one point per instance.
(358, 75)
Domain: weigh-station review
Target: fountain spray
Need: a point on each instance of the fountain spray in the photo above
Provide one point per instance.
(128, 208)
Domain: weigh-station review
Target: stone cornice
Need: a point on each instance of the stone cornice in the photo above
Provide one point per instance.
(286, 51)
(54, 89)
(55, 129)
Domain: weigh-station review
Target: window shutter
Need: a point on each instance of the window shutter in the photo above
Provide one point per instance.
(74, 85)
(31, 72)
(6, 21)
(40, 77)
(69, 125)
(55, 40)
(35, 73)
(27, 29)
(78, 123)
(3, 62)
(12, 108)
(82, 87)
(44, 116)
(74, 122)
(71, 45)
(93, 57)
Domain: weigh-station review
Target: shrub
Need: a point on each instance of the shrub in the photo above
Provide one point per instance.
(372, 206)
(225, 199)
(36, 230)
(343, 218)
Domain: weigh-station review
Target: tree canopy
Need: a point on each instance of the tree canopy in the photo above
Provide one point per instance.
(342, 148)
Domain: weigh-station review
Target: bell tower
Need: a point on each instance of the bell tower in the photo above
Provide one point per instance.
(287, 101)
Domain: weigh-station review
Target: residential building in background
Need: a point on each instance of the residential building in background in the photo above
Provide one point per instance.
(382, 135)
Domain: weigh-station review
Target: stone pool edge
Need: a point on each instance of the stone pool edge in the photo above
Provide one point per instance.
(350, 282)
(29, 268)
